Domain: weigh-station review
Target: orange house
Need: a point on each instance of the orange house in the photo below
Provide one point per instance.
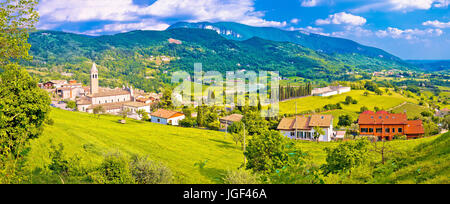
(386, 125)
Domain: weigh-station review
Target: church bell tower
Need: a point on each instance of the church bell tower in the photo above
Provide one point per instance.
(94, 79)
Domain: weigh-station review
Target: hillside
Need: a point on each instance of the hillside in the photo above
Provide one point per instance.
(431, 65)
(180, 148)
(313, 102)
(136, 56)
(89, 138)
(329, 45)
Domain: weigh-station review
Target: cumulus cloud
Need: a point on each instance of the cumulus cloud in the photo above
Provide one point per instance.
(403, 5)
(342, 18)
(295, 20)
(437, 24)
(408, 33)
(310, 3)
(126, 14)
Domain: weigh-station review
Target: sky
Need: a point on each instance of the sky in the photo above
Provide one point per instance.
(409, 29)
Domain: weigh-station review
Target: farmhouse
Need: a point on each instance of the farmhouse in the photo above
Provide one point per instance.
(229, 120)
(386, 125)
(167, 117)
(330, 90)
(302, 127)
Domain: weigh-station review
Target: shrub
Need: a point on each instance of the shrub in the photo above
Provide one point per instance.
(241, 177)
(113, 170)
(145, 171)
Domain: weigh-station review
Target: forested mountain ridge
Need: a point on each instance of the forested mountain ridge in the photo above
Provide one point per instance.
(136, 56)
(321, 43)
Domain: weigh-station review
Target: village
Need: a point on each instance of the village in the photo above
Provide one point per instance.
(137, 104)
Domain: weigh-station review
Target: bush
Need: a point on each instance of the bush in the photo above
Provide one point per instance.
(145, 171)
(241, 177)
(188, 122)
(113, 170)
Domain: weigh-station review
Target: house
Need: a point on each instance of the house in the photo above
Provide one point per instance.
(134, 107)
(302, 127)
(229, 120)
(167, 117)
(386, 125)
(330, 91)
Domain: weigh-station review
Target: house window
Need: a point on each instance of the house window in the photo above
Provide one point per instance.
(400, 130)
(292, 134)
(393, 130)
(370, 130)
(379, 130)
(159, 120)
(387, 130)
(364, 130)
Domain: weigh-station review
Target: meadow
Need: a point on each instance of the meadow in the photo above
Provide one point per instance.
(90, 138)
(179, 148)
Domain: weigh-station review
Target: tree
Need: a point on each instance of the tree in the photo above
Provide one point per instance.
(124, 113)
(23, 106)
(363, 109)
(446, 122)
(378, 92)
(72, 105)
(17, 19)
(145, 171)
(345, 120)
(366, 93)
(346, 156)
(98, 110)
(114, 169)
(266, 152)
(143, 114)
(23, 109)
(318, 131)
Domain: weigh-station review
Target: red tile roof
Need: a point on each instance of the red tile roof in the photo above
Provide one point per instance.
(305, 123)
(414, 127)
(167, 114)
(382, 117)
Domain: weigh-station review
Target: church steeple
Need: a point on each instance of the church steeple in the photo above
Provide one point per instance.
(94, 79)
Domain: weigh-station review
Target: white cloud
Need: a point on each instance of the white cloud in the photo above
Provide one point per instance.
(295, 20)
(342, 18)
(147, 24)
(408, 33)
(85, 10)
(403, 5)
(437, 24)
(310, 3)
(127, 15)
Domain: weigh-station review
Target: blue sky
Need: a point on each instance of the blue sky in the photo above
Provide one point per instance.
(410, 29)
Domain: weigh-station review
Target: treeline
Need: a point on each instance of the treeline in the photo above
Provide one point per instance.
(288, 92)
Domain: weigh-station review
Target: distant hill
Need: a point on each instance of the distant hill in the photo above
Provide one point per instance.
(136, 56)
(431, 65)
(329, 45)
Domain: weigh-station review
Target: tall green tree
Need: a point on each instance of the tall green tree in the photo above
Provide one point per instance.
(266, 152)
(318, 131)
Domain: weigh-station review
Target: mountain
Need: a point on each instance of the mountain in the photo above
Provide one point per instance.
(329, 45)
(431, 65)
(137, 56)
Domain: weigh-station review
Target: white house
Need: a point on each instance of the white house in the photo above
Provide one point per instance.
(302, 128)
(167, 117)
(330, 91)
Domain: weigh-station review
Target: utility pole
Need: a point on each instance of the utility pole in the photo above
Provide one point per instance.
(245, 160)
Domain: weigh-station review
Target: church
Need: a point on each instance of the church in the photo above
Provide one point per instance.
(113, 101)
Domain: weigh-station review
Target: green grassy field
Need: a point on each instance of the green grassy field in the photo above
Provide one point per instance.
(412, 110)
(179, 148)
(311, 103)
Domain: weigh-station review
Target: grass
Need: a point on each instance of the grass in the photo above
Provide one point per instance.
(179, 148)
(412, 110)
(311, 103)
